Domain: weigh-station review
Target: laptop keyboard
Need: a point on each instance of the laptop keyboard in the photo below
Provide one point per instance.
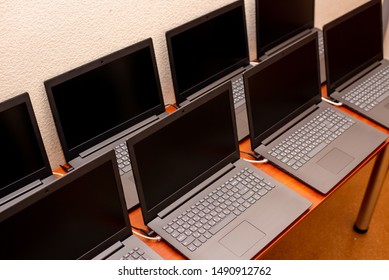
(217, 209)
(371, 92)
(309, 140)
(136, 254)
(238, 90)
(123, 158)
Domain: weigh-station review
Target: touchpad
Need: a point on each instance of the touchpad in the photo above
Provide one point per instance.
(242, 238)
(387, 106)
(335, 161)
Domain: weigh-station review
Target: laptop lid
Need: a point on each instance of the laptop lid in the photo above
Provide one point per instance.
(352, 43)
(23, 155)
(75, 217)
(171, 158)
(280, 20)
(207, 48)
(282, 87)
(104, 97)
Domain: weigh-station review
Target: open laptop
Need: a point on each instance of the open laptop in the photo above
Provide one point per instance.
(24, 164)
(280, 23)
(197, 193)
(98, 105)
(292, 128)
(208, 51)
(82, 215)
(357, 73)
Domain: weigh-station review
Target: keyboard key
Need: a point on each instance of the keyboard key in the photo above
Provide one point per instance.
(188, 241)
(316, 150)
(192, 247)
(197, 243)
(202, 239)
(222, 224)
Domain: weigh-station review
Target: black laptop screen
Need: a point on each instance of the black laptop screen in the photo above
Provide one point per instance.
(352, 43)
(105, 97)
(281, 86)
(23, 158)
(207, 49)
(67, 220)
(182, 149)
(279, 20)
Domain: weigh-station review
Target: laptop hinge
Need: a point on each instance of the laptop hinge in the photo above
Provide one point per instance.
(214, 84)
(118, 136)
(286, 127)
(358, 76)
(108, 252)
(286, 43)
(20, 191)
(165, 212)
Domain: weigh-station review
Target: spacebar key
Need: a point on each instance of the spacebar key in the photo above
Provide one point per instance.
(317, 149)
(382, 97)
(127, 168)
(222, 223)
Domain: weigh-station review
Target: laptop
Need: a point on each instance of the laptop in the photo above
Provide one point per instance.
(357, 73)
(24, 164)
(197, 193)
(280, 23)
(98, 105)
(209, 51)
(292, 128)
(82, 215)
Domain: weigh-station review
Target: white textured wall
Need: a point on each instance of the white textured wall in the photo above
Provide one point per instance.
(43, 38)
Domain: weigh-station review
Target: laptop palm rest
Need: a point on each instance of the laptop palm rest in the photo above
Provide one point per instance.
(234, 242)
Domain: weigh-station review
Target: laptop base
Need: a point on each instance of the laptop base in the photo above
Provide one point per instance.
(259, 224)
(334, 162)
(379, 114)
(126, 251)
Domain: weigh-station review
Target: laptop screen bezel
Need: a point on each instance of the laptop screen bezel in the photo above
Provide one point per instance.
(333, 85)
(257, 140)
(72, 152)
(181, 96)
(150, 214)
(45, 191)
(45, 170)
(261, 48)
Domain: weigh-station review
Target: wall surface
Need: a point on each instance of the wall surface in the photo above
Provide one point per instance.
(43, 38)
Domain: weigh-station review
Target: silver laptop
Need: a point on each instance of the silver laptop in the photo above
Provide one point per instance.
(358, 76)
(197, 193)
(280, 23)
(24, 164)
(80, 216)
(209, 51)
(97, 106)
(290, 126)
